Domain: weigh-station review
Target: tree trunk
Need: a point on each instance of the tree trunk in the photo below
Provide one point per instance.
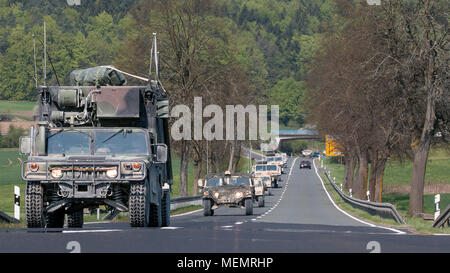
(198, 170)
(349, 171)
(230, 162)
(184, 167)
(379, 181)
(360, 183)
(418, 177)
(373, 175)
(238, 155)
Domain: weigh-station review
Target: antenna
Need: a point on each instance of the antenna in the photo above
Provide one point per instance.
(35, 69)
(45, 56)
(150, 65)
(156, 57)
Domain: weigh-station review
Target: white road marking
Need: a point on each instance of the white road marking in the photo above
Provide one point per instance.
(238, 223)
(171, 227)
(282, 194)
(186, 213)
(91, 231)
(344, 212)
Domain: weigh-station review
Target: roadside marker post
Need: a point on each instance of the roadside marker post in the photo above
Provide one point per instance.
(350, 192)
(368, 195)
(437, 210)
(17, 202)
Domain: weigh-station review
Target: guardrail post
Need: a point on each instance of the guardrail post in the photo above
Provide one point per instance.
(437, 210)
(368, 195)
(341, 186)
(17, 202)
(350, 192)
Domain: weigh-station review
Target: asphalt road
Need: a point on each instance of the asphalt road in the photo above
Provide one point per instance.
(298, 217)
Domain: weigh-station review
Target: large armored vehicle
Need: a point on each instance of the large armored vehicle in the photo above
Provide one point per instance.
(226, 189)
(98, 143)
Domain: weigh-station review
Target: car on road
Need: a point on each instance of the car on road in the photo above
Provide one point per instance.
(314, 155)
(229, 190)
(305, 164)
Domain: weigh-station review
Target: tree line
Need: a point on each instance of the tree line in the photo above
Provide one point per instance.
(380, 84)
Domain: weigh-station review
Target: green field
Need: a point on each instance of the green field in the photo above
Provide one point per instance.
(6, 105)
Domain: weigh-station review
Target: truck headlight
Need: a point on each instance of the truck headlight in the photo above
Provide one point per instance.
(57, 173)
(112, 173)
(238, 194)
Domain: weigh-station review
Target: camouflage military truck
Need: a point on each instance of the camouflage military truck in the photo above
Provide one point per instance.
(266, 182)
(276, 160)
(259, 188)
(230, 190)
(274, 171)
(97, 143)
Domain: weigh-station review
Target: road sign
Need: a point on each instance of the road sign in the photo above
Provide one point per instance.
(332, 146)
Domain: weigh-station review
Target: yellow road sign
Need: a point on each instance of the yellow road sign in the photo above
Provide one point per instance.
(332, 146)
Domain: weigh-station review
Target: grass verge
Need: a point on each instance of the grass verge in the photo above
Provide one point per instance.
(415, 225)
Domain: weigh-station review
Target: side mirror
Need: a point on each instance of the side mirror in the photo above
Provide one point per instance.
(25, 145)
(161, 153)
(200, 183)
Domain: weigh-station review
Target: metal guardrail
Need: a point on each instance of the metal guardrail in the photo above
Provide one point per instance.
(5, 218)
(443, 219)
(179, 202)
(384, 210)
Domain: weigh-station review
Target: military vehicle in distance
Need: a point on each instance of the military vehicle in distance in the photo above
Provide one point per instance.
(227, 189)
(274, 171)
(260, 189)
(276, 160)
(98, 142)
(266, 182)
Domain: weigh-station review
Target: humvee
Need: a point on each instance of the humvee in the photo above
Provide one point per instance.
(274, 171)
(266, 182)
(226, 189)
(259, 188)
(276, 160)
(98, 145)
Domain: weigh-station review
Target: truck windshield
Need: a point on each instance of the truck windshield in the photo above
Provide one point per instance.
(271, 167)
(72, 142)
(240, 181)
(279, 159)
(270, 159)
(216, 181)
(260, 168)
(120, 142)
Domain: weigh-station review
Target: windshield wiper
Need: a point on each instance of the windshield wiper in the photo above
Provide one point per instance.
(70, 130)
(113, 135)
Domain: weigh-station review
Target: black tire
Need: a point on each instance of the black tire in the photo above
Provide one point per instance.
(261, 201)
(34, 205)
(248, 206)
(166, 209)
(156, 215)
(55, 219)
(75, 219)
(207, 211)
(138, 207)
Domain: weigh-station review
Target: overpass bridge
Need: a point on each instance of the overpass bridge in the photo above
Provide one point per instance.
(289, 134)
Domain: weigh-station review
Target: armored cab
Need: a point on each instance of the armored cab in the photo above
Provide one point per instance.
(98, 142)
